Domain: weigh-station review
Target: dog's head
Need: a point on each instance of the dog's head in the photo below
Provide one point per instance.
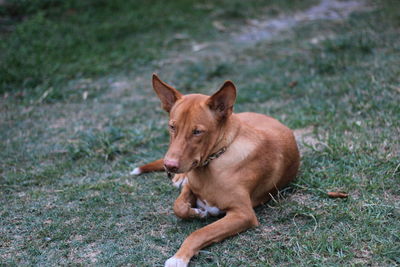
(196, 122)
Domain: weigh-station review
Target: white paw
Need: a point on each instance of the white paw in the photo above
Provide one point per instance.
(180, 182)
(136, 171)
(175, 262)
(202, 213)
(213, 211)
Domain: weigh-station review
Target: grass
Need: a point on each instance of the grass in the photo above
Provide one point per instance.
(47, 43)
(66, 195)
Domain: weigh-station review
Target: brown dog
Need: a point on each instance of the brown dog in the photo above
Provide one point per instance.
(227, 163)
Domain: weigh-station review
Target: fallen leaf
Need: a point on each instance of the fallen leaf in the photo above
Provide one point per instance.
(337, 195)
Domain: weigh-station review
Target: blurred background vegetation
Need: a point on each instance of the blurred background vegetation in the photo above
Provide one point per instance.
(45, 43)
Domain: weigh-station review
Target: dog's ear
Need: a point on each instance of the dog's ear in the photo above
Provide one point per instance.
(221, 103)
(167, 94)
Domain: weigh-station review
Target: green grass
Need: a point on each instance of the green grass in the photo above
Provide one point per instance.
(66, 195)
(47, 43)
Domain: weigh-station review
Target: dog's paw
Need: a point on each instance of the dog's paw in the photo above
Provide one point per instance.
(136, 171)
(179, 180)
(201, 213)
(175, 262)
(209, 210)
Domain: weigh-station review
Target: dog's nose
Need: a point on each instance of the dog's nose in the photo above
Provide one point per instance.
(171, 165)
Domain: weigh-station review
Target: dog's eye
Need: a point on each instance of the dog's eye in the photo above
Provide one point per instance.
(197, 132)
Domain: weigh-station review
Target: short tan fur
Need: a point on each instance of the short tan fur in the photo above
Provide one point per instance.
(261, 157)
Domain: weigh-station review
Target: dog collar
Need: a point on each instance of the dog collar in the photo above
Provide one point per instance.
(214, 156)
(207, 161)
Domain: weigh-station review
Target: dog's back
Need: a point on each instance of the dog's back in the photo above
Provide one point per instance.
(280, 140)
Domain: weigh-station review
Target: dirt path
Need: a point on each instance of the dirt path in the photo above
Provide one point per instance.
(264, 29)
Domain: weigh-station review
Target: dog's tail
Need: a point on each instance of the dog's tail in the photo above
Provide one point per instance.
(154, 166)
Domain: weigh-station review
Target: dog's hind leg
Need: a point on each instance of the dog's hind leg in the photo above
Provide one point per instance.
(154, 166)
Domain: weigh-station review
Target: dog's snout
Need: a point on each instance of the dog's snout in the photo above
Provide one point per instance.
(171, 165)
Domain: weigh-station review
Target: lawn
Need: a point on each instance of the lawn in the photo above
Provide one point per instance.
(77, 113)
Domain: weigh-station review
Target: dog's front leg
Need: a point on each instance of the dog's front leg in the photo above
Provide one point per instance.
(183, 206)
(234, 222)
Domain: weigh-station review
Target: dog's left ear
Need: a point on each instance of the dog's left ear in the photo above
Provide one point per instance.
(221, 103)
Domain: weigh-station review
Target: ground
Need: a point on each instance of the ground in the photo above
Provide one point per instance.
(78, 114)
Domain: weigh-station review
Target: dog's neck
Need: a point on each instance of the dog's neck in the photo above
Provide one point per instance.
(227, 134)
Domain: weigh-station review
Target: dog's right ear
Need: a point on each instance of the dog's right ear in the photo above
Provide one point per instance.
(167, 94)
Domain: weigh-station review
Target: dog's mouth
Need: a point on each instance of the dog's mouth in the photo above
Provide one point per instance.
(171, 172)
